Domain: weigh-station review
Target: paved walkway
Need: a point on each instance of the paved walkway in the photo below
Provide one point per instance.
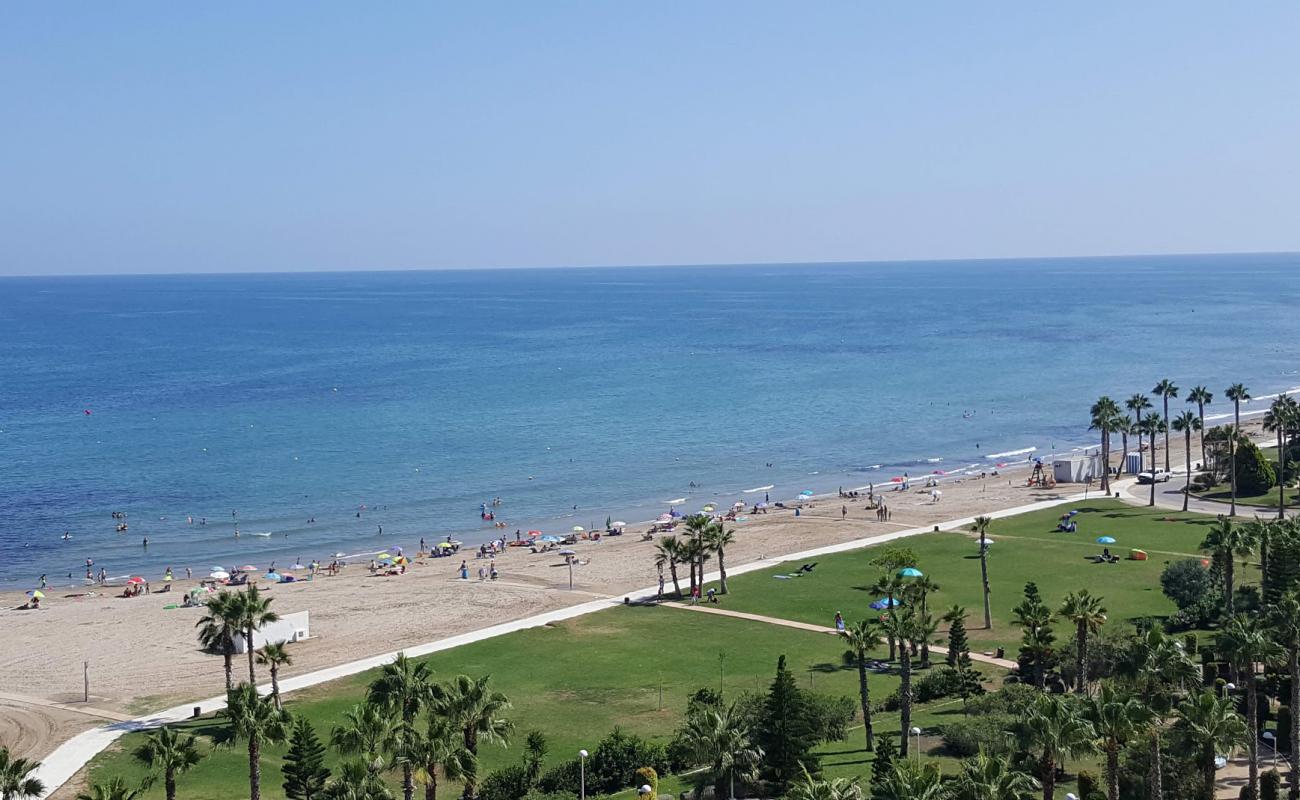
(1004, 663)
(58, 767)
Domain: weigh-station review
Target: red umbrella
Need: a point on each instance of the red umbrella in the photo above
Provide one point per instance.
(135, 580)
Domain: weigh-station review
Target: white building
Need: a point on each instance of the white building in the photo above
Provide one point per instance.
(289, 628)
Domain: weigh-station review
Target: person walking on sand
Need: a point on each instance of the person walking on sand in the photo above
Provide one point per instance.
(844, 513)
(464, 571)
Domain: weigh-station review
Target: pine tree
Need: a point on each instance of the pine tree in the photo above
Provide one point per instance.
(304, 767)
(883, 766)
(958, 646)
(787, 736)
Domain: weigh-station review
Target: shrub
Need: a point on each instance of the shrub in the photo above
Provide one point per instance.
(1270, 785)
(1011, 700)
(1088, 787)
(963, 738)
(646, 776)
(830, 715)
(507, 783)
(1254, 472)
(1187, 582)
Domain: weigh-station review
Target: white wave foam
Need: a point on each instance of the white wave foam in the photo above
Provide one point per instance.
(1021, 452)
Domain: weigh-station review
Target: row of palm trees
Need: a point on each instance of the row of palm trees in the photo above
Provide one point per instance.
(231, 615)
(1108, 418)
(703, 538)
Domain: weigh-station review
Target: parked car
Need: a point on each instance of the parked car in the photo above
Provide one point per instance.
(1159, 476)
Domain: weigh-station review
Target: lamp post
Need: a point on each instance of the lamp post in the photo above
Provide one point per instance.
(917, 733)
(582, 775)
(1229, 688)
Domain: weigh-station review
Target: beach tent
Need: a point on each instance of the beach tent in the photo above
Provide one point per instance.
(1138, 555)
(1105, 540)
(886, 602)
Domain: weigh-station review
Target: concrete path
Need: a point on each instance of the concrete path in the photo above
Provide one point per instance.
(1004, 663)
(58, 767)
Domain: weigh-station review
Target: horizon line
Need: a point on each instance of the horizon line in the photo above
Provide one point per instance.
(674, 265)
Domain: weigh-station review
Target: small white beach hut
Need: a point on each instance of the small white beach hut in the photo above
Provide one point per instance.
(1076, 468)
(289, 628)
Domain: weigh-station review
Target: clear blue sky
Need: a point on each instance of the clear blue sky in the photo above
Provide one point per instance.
(178, 137)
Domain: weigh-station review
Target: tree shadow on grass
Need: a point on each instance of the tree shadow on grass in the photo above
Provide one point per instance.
(846, 763)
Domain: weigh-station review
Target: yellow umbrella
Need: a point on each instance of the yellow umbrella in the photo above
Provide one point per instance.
(37, 593)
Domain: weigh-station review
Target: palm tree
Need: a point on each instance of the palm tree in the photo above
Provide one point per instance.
(404, 687)
(911, 780)
(981, 526)
(218, 628)
(862, 638)
(1281, 417)
(367, 730)
(1054, 727)
(1238, 394)
(112, 789)
(1160, 670)
(812, 789)
(718, 538)
(1137, 404)
(1227, 542)
(259, 722)
(355, 781)
(1126, 427)
(16, 781)
(275, 655)
(1105, 414)
(1153, 424)
(476, 710)
(892, 587)
(697, 528)
(1185, 423)
(1211, 725)
(1284, 618)
(1165, 390)
(254, 612)
(720, 737)
(1116, 719)
(1088, 615)
(441, 749)
(985, 778)
(167, 752)
(1246, 642)
(902, 627)
(1202, 397)
(669, 553)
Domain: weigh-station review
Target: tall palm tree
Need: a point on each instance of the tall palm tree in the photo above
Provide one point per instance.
(1165, 390)
(167, 752)
(369, 731)
(669, 553)
(902, 627)
(981, 526)
(697, 529)
(1153, 424)
(356, 781)
(985, 778)
(1202, 397)
(1160, 670)
(1282, 417)
(1238, 394)
(1087, 613)
(440, 750)
(721, 738)
(810, 788)
(16, 781)
(911, 780)
(113, 789)
(1246, 642)
(1126, 427)
(254, 612)
(1284, 618)
(1055, 729)
(275, 655)
(477, 711)
(1210, 726)
(719, 538)
(1228, 541)
(1137, 404)
(1105, 414)
(1116, 718)
(1185, 423)
(892, 587)
(863, 638)
(218, 628)
(257, 721)
(404, 687)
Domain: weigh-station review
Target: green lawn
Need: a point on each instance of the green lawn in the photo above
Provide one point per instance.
(1267, 500)
(1025, 548)
(578, 679)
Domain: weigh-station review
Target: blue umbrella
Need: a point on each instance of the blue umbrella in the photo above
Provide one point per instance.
(273, 577)
(910, 572)
(885, 602)
(1105, 540)
(550, 538)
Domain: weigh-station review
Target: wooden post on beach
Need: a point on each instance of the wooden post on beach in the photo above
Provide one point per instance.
(569, 561)
(85, 681)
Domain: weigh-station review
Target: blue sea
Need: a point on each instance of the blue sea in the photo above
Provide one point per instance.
(406, 399)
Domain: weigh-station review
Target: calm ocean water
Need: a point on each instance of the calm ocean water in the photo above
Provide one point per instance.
(421, 395)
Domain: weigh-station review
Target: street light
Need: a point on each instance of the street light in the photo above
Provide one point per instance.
(917, 733)
(582, 775)
(1229, 688)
